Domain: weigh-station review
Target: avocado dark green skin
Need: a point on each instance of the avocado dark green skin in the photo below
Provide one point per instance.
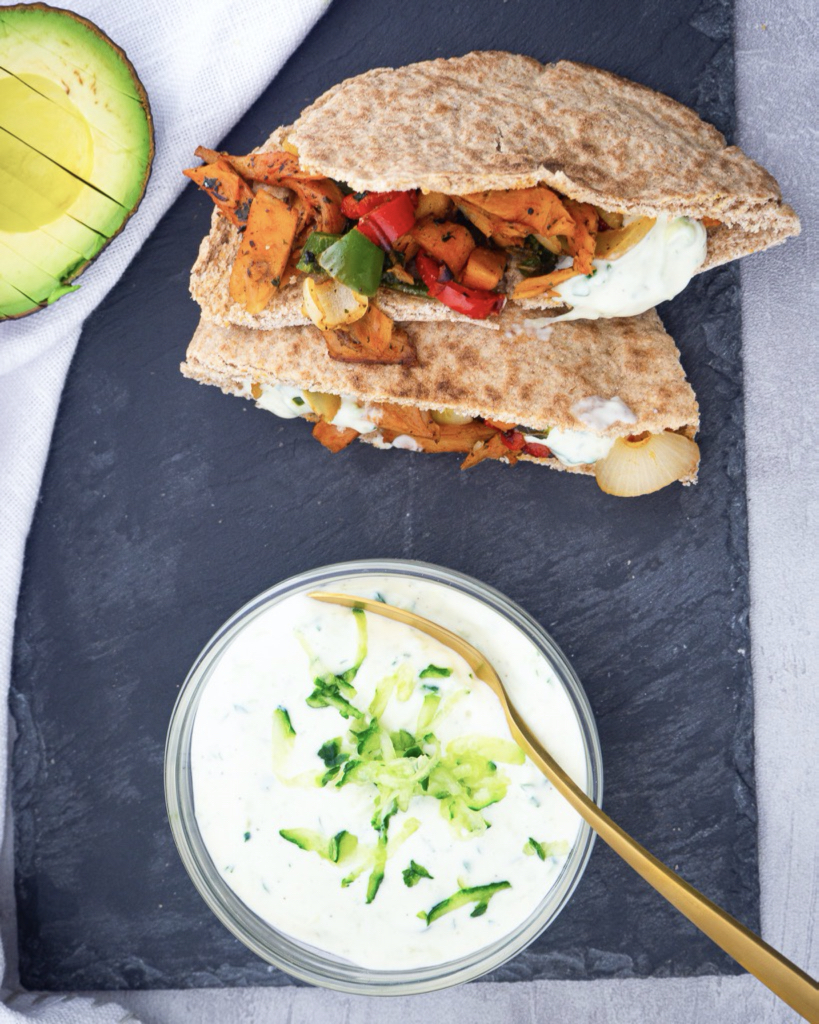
(76, 270)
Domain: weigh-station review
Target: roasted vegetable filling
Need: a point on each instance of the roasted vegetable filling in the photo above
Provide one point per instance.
(469, 252)
(624, 466)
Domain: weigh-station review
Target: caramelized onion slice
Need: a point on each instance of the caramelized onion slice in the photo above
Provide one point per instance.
(640, 467)
(323, 405)
(331, 304)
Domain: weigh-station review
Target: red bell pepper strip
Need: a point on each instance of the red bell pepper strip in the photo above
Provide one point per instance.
(386, 223)
(540, 451)
(513, 440)
(369, 201)
(472, 302)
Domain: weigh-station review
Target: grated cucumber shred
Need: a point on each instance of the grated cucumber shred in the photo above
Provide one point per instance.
(480, 895)
(558, 848)
(398, 766)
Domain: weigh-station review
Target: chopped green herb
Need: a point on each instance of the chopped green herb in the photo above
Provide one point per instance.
(414, 873)
(332, 754)
(327, 693)
(435, 671)
(246, 837)
(534, 259)
(297, 400)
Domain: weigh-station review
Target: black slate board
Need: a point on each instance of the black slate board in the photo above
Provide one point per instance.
(166, 506)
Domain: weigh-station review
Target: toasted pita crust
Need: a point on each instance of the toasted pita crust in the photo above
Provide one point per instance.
(518, 374)
(499, 120)
(494, 120)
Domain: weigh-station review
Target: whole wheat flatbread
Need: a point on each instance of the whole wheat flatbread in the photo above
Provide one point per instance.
(520, 373)
(498, 120)
(494, 120)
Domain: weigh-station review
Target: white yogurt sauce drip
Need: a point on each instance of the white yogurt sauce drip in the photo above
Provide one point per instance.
(283, 401)
(289, 403)
(406, 442)
(575, 447)
(600, 413)
(656, 269)
(241, 803)
(351, 414)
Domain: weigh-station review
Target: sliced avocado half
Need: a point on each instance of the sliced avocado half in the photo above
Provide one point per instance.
(76, 144)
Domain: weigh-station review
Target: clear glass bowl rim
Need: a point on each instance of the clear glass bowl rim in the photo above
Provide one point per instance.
(306, 963)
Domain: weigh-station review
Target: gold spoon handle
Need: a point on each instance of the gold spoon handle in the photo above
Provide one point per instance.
(781, 976)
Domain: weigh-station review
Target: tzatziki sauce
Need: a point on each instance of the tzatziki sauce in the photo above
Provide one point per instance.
(269, 748)
(289, 402)
(654, 270)
(575, 447)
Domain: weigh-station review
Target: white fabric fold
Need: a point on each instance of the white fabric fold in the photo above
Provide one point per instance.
(202, 65)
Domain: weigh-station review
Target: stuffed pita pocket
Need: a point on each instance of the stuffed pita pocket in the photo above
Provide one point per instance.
(606, 398)
(480, 179)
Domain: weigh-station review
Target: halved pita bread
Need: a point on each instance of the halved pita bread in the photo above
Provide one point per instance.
(494, 120)
(522, 373)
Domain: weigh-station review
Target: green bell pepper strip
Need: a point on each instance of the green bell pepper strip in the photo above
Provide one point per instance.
(313, 248)
(355, 261)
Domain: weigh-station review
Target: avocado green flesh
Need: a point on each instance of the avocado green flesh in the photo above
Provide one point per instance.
(41, 287)
(73, 48)
(36, 112)
(63, 229)
(47, 185)
(33, 211)
(116, 115)
(12, 301)
(75, 149)
(44, 252)
(119, 119)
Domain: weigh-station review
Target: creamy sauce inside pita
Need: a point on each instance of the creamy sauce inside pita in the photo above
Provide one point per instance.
(283, 401)
(289, 402)
(571, 447)
(351, 414)
(656, 269)
(575, 447)
(244, 793)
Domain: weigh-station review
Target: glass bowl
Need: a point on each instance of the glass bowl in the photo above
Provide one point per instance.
(297, 958)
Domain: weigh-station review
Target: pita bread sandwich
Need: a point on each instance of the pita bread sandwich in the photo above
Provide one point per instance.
(607, 398)
(443, 190)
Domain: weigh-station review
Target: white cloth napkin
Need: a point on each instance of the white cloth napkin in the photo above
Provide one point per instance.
(176, 47)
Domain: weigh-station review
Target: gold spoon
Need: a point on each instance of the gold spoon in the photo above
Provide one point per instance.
(790, 983)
